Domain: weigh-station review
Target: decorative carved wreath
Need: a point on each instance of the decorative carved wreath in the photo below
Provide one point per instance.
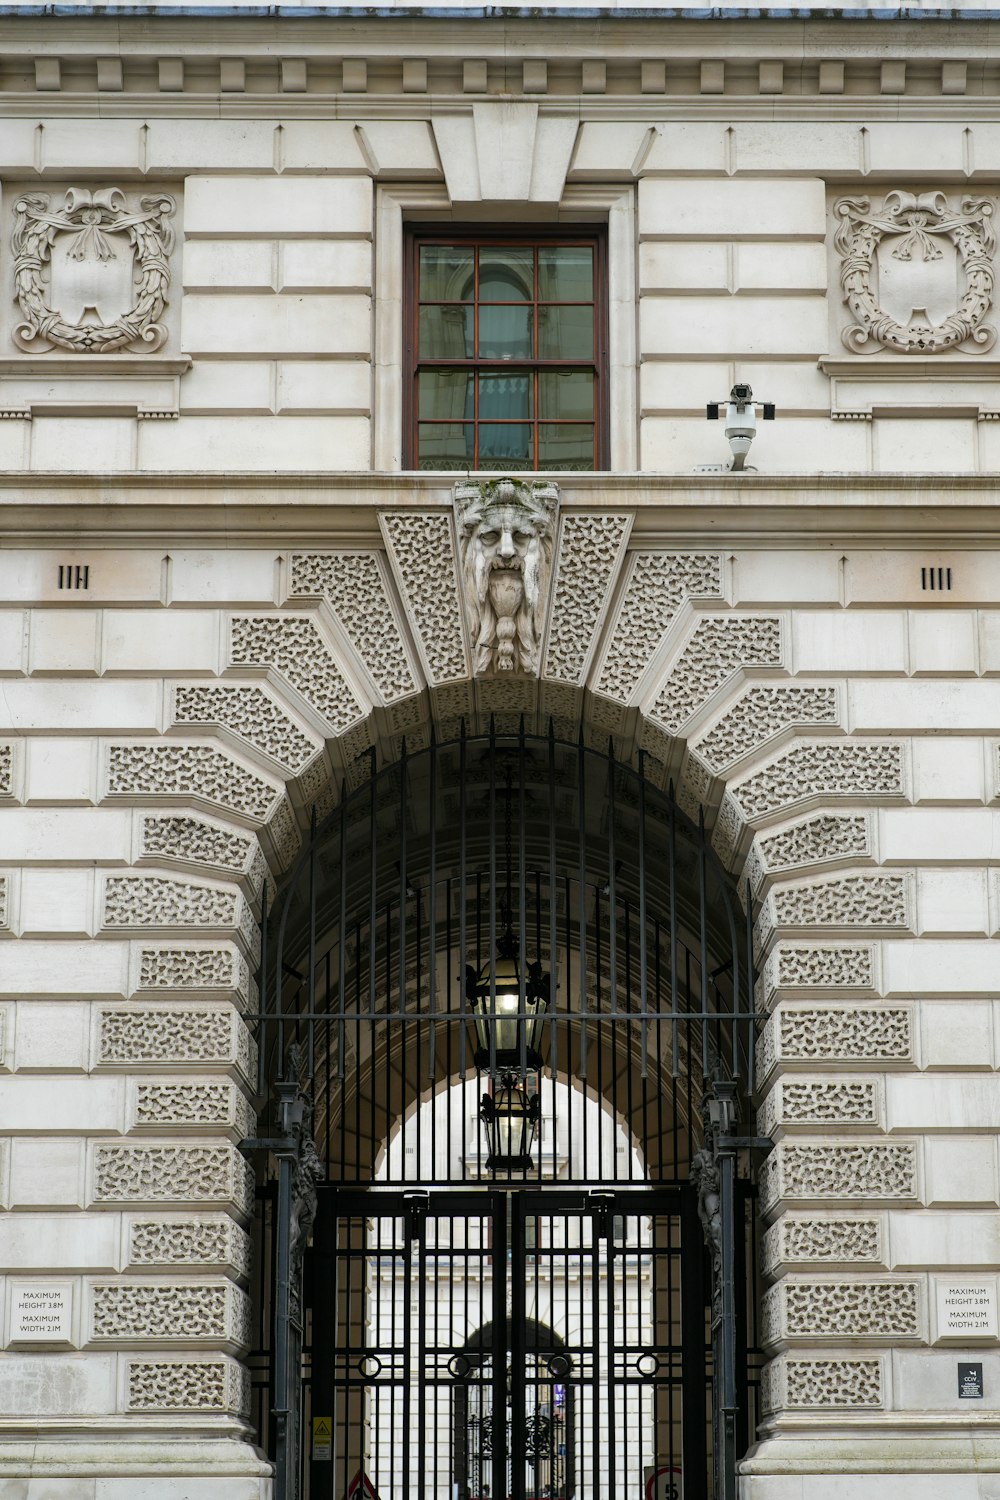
(918, 219)
(92, 217)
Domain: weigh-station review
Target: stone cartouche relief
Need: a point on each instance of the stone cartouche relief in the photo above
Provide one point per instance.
(92, 272)
(916, 272)
(505, 530)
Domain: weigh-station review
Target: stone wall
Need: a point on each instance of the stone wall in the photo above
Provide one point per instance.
(219, 592)
(268, 333)
(845, 755)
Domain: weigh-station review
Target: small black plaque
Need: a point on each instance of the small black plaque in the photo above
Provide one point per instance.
(970, 1382)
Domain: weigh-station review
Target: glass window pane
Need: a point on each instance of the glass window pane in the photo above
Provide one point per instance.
(447, 273)
(445, 333)
(445, 445)
(568, 394)
(506, 274)
(565, 273)
(505, 445)
(565, 333)
(505, 332)
(505, 398)
(569, 447)
(446, 394)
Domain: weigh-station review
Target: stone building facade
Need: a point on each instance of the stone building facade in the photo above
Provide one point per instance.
(220, 586)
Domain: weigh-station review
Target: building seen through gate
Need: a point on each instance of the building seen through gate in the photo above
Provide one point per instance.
(502, 988)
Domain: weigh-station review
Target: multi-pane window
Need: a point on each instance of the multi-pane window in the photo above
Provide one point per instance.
(505, 343)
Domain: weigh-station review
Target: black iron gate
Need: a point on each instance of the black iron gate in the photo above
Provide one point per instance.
(536, 1346)
(506, 1028)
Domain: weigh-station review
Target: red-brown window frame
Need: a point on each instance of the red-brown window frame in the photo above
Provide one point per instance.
(532, 235)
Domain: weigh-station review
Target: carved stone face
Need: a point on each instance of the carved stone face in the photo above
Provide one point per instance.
(506, 544)
(503, 541)
(505, 533)
(506, 560)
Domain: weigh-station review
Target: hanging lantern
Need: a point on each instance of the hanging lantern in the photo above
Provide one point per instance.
(503, 1019)
(511, 1120)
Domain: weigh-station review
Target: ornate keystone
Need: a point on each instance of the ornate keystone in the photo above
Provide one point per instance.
(505, 529)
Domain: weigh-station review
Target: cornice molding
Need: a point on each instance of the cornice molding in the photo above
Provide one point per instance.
(652, 62)
(861, 109)
(786, 510)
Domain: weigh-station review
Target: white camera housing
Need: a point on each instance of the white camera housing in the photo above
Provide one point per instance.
(741, 423)
(741, 429)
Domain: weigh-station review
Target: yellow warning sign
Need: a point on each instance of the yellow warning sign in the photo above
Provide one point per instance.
(322, 1447)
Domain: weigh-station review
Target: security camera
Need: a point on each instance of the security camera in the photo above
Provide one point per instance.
(741, 421)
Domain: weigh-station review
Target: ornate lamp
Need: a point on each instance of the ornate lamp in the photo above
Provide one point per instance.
(501, 1021)
(511, 1120)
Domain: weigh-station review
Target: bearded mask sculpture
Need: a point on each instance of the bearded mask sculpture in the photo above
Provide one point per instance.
(505, 534)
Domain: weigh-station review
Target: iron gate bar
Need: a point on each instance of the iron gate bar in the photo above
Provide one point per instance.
(377, 1207)
(362, 964)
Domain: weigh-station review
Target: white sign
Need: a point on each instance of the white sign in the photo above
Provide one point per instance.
(41, 1314)
(966, 1309)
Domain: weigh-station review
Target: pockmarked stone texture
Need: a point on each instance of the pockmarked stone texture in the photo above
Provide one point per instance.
(657, 583)
(202, 1242)
(838, 769)
(167, 1035)
(295, 647)
(252, 716)
(589, 556)
(759, 715)
(354, 586)
(720, 646)
(816, 840)
(821, 1383)
(144, 772)
(839, 1171)
(829, 1240)
(175, 1174)
(422, 549)
(196, 841)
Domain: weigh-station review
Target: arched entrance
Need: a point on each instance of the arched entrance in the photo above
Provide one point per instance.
(500, 989)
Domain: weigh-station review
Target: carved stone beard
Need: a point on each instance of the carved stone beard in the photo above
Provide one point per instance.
(507, 590)
(505, 532)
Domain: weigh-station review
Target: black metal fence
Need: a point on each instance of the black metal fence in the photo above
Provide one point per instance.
(510, 919)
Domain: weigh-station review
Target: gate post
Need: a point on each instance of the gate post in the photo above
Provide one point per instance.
(299, 1170)
(713, 1171)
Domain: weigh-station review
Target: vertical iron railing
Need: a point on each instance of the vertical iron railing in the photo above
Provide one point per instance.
(613, 892)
